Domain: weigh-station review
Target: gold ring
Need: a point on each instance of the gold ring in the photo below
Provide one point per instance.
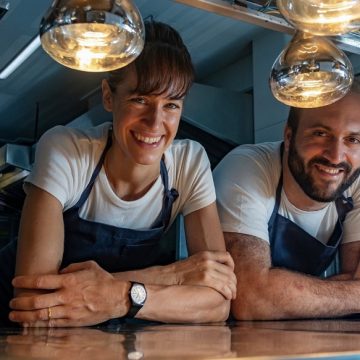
(49, 313)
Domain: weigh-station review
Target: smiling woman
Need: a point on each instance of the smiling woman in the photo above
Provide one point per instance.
(103, 197)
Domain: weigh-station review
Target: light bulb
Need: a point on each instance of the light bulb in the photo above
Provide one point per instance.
(93, 35)
(310, 72)
(322, 17)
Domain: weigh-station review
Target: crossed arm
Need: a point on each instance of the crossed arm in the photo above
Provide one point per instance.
(198, 289)
(265, 293)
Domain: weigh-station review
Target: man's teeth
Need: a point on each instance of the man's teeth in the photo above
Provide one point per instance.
(147, 140)
(331, 171)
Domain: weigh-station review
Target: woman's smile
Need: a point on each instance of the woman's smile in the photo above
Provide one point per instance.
(150, 140)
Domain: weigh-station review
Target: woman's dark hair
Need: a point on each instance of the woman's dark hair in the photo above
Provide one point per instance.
(164, 65)
(294, 113)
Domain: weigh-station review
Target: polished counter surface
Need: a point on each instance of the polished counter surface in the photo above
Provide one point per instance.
(324, 339)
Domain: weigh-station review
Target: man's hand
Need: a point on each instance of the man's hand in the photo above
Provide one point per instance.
(214, 269)
(83, 294)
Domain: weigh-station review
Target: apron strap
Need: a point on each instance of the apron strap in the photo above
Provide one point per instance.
(278, 189)
(89, 186)
(168, 199)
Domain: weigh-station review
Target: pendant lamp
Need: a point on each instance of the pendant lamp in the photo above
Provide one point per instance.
(322, 17)
(93, 35)
(310, 72)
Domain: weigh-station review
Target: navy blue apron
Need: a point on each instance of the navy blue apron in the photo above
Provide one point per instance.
(295, 249)
(114, 249)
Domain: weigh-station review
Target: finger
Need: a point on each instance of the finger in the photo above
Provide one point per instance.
(38, 318)
(36, 302)
(222, 257)
(78, 267)
(222, 282)
(29, 317)
(45, 282)
(222, 269)
(217, 282)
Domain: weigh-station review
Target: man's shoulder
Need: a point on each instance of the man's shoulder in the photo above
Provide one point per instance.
(268, 150)
(259, 159)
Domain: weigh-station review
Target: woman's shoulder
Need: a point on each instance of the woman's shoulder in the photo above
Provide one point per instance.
(185, 156)
(185, 148)
(78, 140)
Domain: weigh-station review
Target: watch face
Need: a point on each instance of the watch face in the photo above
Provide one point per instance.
(138, 294)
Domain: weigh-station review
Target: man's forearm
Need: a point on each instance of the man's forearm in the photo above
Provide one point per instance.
(282, 294)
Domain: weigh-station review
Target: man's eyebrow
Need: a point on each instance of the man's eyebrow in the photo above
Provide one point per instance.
(328, 128)
(320, 125)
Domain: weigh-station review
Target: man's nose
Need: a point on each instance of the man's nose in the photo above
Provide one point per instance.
(335, 151)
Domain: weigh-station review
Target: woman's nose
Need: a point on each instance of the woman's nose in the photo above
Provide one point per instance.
(153, 117)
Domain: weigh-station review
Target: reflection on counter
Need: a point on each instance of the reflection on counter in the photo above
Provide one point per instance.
(242, 340)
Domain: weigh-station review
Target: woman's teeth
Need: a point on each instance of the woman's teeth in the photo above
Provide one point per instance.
(146, 139)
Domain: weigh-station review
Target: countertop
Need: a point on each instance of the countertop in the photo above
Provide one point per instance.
(324, 339)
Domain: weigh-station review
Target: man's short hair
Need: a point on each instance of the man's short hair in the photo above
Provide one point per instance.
(294, 113)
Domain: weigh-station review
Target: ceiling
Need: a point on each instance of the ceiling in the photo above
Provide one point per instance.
(41, 93)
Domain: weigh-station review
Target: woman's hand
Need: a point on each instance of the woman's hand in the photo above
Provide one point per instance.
(214, 269)
(83, 294)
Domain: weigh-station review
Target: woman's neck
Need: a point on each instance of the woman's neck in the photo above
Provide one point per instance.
(129, 181)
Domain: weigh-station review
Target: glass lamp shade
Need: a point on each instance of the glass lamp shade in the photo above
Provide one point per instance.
(322, 17)
(310, 72)
(93, 35)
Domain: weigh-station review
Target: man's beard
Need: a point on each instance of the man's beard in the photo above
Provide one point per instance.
(306, 181)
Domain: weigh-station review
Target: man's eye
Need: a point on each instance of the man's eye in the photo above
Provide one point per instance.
(319, 133)
(354, 140)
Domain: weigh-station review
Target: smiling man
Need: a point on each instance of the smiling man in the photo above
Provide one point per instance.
(288, 207)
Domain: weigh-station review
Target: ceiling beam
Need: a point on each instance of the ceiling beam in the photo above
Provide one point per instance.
(349, 42)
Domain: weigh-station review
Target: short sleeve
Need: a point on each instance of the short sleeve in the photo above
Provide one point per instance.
(352, 220)
(193, 176)
(245, 193)
(57, 164)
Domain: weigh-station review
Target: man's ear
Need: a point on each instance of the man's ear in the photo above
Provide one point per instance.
(107, 96)
(288, 133)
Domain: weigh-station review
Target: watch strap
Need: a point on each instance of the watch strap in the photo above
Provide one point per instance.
(134, 307)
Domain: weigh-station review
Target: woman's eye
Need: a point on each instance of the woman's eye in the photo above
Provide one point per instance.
(172, 106)
(138, 100)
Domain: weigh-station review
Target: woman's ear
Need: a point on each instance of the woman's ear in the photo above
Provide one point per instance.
(107, 96)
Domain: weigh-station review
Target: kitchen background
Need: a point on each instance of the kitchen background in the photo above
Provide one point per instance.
(233, 46)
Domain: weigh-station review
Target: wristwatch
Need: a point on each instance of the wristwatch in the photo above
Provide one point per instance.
(137, 295)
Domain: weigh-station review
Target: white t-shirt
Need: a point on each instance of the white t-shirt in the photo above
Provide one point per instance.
(246, 181)
(66, 158)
